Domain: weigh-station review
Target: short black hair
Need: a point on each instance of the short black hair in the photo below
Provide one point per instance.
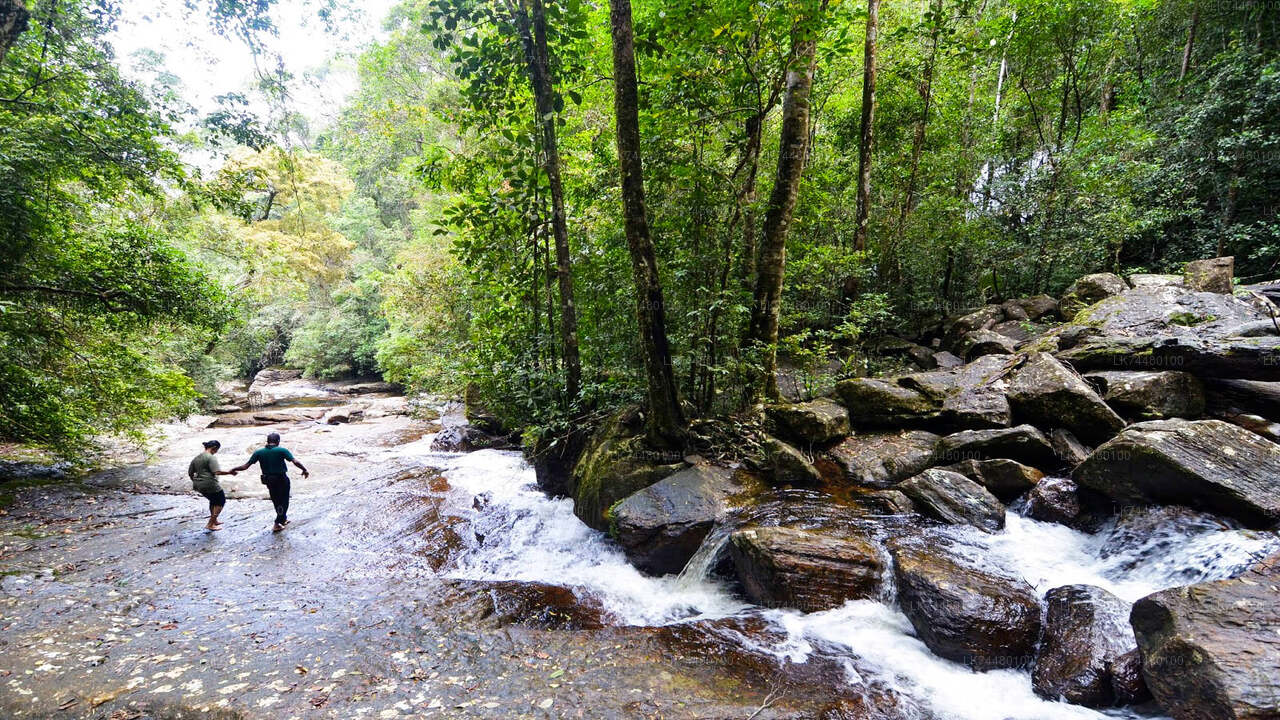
(212, 444)
(273, 439)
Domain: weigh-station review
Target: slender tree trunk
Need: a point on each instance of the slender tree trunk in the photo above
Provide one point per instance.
(868, 123)
(666, 421)
(13, 22)
(793, 147)
(1186, 50)
(926, 96)
(533, 30)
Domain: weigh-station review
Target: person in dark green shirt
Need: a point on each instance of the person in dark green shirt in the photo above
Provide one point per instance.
(275, 475)
(204, 472)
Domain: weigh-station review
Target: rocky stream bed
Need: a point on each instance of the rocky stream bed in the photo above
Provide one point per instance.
(1046, 520)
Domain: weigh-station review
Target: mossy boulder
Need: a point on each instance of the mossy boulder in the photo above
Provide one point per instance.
(617, 462)
(810, 423)
(1089, 290)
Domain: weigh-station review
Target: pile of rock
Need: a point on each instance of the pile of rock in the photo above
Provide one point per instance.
(1005, 410)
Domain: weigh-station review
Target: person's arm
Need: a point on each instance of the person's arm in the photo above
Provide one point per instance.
(294, 460)
(252, 459)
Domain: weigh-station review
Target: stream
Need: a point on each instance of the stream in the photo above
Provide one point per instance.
(533, 538)
(416, 583)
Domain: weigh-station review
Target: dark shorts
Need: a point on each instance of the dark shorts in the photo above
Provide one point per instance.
(217, 498)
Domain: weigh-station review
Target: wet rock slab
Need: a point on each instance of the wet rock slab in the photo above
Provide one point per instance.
(963, 613)
(1211, 650)
(1082, 656)
(881, 459)
(804, 569)
(954, 499)
(1203, 463)
(661, 526)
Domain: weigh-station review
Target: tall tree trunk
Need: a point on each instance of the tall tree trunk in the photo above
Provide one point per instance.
(666, 421)
(1186, 50)
(868, 123)
(531, 19)
(926, 96)
(793, 147)
(13, 22)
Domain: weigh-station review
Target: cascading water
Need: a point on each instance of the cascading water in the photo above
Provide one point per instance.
(523, 535)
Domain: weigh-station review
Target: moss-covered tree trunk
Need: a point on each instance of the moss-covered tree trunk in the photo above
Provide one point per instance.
(666, 420)
(793, 147)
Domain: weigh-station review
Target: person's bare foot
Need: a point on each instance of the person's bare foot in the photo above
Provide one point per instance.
(277, 527)
(213, 527)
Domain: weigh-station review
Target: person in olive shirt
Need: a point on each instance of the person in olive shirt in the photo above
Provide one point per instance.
(275, 475)
(204, 473)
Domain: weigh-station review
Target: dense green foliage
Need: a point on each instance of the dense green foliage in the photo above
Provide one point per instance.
(1018, 144)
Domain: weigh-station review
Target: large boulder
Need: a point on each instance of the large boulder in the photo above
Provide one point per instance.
(1023, 443)
(1145, 280)
(874, 402)
(1068, 447)
(970, 396)
(617, 462)
(1211, 275)
(1043, 391)
(977, 343)
(980, 319)
(788, 465)
(1202, 463)
(661, 526)
(954, 499)
(1006, 479)
(804, 569)
(1211, 650)
(1152, 394)
(1089, 290)
(1086, 633)
(1172, 328)
(963, 613)
(880, 460)
(810, 423)
(1030, 308)
(1054, 499)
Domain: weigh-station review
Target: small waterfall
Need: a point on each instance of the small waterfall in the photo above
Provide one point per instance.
(528, 536)
(698, 570)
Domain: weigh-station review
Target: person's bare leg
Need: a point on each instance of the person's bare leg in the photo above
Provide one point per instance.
(214, 511)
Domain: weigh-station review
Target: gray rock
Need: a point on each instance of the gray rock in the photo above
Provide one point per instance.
(1023, 443)
(977, 343)
(1152, 394)
(1054, 499)
(1213, 275)
(1086, 632)
(616, 462)
(879, 403)
(979, 319)
(880, 460)
(1006, 479)
(1089, 290)
(970, 396)
(661, 526)
(954, 499)
(1068, 448)
(1211, 650)
(1146, 280)
(1203, 463)
(807, 570)
(1043, 391)
(947, 360)
(1030, 308)
(1019, 331)
(810, 423)
(789, 466)
(962, 613)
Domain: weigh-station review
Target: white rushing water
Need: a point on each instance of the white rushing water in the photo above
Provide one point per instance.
(528, 536)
